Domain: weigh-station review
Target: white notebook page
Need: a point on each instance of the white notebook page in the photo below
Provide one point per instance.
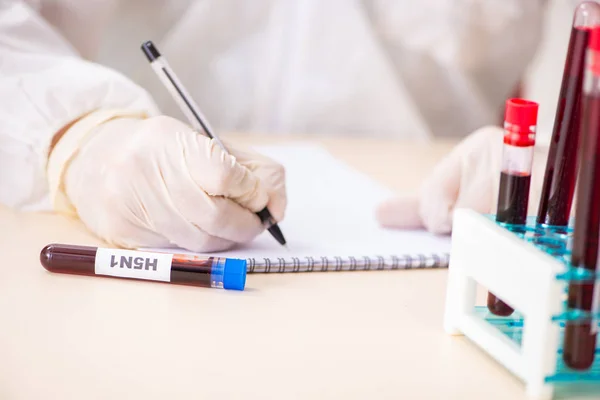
(331, 212)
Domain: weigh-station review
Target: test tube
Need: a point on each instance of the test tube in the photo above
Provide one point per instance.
(580, 336)
(561, 167)
(520, 124)
(183, 269)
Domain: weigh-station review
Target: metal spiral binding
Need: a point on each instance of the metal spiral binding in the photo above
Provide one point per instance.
(347, 263)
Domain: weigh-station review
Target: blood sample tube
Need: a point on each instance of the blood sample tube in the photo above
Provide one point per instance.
(213, 272)
(580, 336)
(520, 124)
(561, 168)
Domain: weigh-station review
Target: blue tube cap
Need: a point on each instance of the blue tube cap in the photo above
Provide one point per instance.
(234, 274)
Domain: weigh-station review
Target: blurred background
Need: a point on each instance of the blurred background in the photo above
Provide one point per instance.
(378, 68)
(291, 75)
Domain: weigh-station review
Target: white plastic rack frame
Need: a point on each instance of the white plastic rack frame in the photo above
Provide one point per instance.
(524, 277)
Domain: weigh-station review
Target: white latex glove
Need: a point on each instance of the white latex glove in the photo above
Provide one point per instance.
(154, 182)
(468, 177)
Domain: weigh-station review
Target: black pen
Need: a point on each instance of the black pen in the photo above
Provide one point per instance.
(195, 117)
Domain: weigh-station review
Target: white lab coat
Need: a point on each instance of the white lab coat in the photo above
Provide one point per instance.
(389, 68)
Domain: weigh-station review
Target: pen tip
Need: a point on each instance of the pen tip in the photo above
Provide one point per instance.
(150, 50)
(274, 229)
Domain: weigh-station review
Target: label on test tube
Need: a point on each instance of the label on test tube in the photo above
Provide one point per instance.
(133, 264)
(517, 160)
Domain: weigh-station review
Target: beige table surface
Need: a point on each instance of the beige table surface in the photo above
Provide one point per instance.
(374, 335)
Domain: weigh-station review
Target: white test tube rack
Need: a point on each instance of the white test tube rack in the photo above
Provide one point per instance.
(526, 277)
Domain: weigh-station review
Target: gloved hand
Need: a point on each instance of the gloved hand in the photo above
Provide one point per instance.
(154, 182)
(468, 177)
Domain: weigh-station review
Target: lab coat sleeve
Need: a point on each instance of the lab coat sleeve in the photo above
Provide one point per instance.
(45, 85)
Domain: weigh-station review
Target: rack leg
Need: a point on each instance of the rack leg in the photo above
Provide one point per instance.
(537, 391)
(540, 341)
(460, 299)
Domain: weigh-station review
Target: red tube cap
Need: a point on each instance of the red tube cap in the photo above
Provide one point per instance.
(520, 121)
(521, 114)
(594, 43)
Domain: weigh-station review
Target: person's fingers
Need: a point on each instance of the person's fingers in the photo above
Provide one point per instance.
(143, 192)
(270, 173)
(400, 212)
(480, 194)
(102, 211)
(136, 210)
(481, 168)
(215, 215)
(468, 177)
(152, 206)
(272, 179)
(218, 173)
(133, 210)
(438, 195)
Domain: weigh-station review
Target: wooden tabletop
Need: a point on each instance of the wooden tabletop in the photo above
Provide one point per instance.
(338, 335)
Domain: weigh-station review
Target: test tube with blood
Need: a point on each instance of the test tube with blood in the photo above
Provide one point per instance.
(561, 167)
(580, 336)
(183, 269)
(517, 157)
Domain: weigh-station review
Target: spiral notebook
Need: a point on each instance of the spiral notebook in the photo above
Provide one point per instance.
(330, 222)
